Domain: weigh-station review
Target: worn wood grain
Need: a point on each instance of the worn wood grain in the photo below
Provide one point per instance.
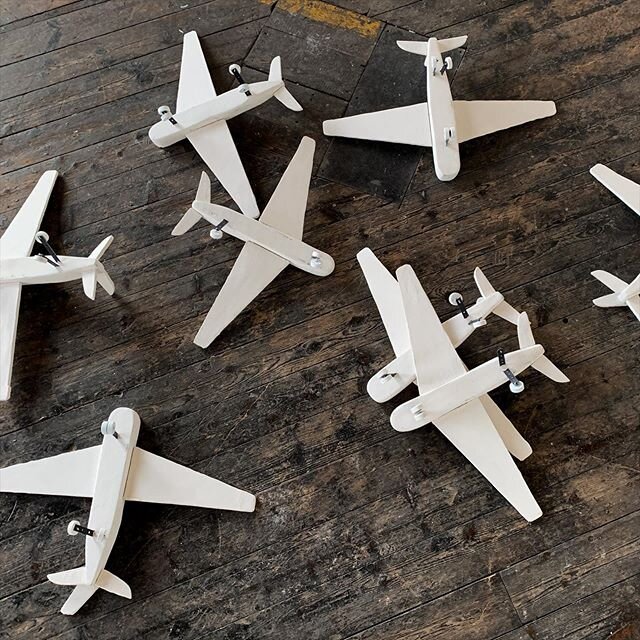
(360, 532)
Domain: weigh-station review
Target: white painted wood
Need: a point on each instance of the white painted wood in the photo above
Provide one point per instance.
(402, 125)
(68, 474)
(156, 479)
(271, 243)
(450, 122)
(18, 268)
(442, 117)
(470, 429)
(9, 311)
(482, 117)
(194, 85)
(383, 385)
(110, 474)
(286, 208)
(504, 310)
(460, 407)
(627, 190)
(454, 392)
(512, 438)
(253, 270)
(202, 114)
(623, 294)
(435, 360)
(17, 241)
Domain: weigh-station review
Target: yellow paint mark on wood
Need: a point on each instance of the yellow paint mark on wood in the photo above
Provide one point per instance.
(319, 11)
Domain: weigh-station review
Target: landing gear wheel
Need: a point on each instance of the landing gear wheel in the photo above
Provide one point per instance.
(454, 297)
(71, 528)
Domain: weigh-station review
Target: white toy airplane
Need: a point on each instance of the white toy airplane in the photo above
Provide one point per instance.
(111, 473)
(201, 118)
(452, 397)
(400, 372)
(18, 267)
(623, 293)
(441, 123)
(271, 243)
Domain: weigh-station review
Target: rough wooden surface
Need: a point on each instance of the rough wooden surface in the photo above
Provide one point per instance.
(360, 532)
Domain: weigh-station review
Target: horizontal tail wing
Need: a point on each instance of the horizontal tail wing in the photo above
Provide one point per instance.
(609, 280)
(89, 282)
(192, 216)
(100, 250)
(420, 47)
(98, 275)
(504, 310)
(402, 125)
(542, 364)
(84, 590)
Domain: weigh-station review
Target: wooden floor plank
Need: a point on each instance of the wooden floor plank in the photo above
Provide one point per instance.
(360, 532)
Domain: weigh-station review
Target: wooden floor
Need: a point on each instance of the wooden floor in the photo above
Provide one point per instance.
(360, 532)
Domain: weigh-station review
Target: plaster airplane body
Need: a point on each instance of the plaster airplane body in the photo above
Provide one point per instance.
(400, 372)
(18, 268)
(441, 123)
(271, 243)
(202, 114)
(110, 474)
(624, 294)
(452, 397)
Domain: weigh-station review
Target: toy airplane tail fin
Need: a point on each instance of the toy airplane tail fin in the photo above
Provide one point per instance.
(282, 94)
(83, 591)
(98, 274)
(542, 364)
(420, 47)
(192, 216)
(504, 310)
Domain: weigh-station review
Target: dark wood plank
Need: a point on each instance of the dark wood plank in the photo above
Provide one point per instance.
(360, 532)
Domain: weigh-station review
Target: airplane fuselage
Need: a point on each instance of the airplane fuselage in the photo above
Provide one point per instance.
(37, 270)
(430, 406)
(442, 119)
(223, 107)
(296, 252)
(401, 372)
(108, 500)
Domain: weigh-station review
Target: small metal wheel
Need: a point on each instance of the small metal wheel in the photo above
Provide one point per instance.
(516, 387)
(108, 428)
(71, 528)
(234, 67)
(454, 297)
(42, 235)
(216, 234)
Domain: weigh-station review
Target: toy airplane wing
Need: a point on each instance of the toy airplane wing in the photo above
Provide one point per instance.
(195, 85)
(253, 270)
(155, 479)
(288, 203)
(215, 146)
(436, 360)
(213, 142)
(481, 117)
(68, 474)
(386, 294)
(513, 440)
(627, 190)
(403, 125)
(470, 429)
(17, 241)
(9, 310)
